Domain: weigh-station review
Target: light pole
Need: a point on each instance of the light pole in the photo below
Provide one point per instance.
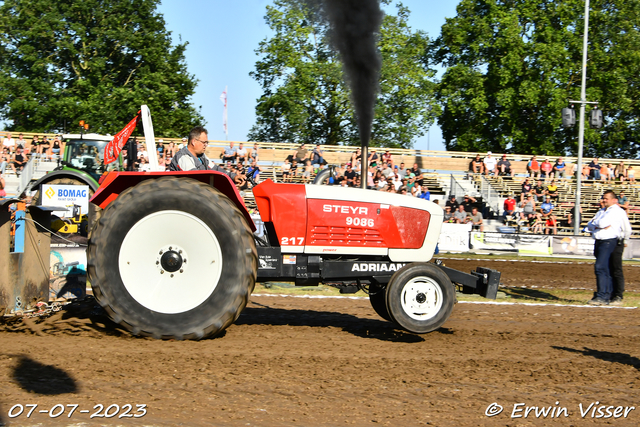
(582, 102)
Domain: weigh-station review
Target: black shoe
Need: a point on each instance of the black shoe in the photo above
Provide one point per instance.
(598, 301)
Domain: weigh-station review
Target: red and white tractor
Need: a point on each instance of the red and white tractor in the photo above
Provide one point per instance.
(174, 255)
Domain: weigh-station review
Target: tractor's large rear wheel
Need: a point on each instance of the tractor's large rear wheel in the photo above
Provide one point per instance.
(172, 258)
(420, 297)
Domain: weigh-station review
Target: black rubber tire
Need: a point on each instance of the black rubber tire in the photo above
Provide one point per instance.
(94, 211)
(395, 294)
(378, 300)
(239, 258)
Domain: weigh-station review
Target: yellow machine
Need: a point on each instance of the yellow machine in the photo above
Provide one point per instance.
(77, 224)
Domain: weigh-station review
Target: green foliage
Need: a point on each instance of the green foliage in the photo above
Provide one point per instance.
(95, 60)
(305, 97)
(513, 64)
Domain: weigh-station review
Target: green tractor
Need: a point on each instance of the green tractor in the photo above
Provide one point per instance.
(82, 163)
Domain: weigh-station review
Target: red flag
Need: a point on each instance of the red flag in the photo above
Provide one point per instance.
(113, 148)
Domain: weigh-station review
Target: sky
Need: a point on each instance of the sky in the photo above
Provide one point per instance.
(223, 36)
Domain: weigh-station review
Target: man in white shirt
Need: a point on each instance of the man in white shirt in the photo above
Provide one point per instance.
(489, 164)
(610, 227)
(9, 143)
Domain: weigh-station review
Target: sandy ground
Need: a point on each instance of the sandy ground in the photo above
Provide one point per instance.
(328, 362)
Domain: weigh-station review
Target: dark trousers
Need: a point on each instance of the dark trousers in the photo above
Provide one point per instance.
(615, 269)
(603, 250)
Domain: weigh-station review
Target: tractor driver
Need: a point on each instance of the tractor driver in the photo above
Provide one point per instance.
(192, 157)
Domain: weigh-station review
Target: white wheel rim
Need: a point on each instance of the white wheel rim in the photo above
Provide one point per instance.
(155, 288)
(421, 298)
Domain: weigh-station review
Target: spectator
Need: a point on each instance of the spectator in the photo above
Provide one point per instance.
(386, 159)
(546, 169)
(9, 142)
(254, 153)
(172, 149)
(546, 209)
(21, 142)
(448, 216)
(595, 169)
(620, 172)
(552, 191)
(3, 184)
(294, 169)
(460, 215)
(351, 175)
(56, 148)
(396, 181)
(586, 172)
(253, 172)
(411, 182)
(356, 158)
(605, 172)
(452, 203)
(416, 190)
(286, 171)
(144, 165)
(559, 168)
(317, 156)
(242, 154)
(539, 191)
(504, 166)
(5, 159)
(623, 201)
(536, 223)
(373, 159)
(416, 170)
(44, 146)
(230, 153)
(467, 201)
(528, 206)
(167, 161)
(631, 174)
(533, 167)
(35, 145)
(387, 171)
(475, 218)
(490, 164)
(401, 171)
(307, 168)
(526, 189)
(509, 206)
(426, 194)
(301, 154)
(476, 165)
(18, 161)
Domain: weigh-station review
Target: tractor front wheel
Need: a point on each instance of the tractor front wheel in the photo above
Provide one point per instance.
(420, 297)
(172, 258)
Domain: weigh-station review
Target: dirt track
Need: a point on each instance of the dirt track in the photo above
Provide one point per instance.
(327, 362)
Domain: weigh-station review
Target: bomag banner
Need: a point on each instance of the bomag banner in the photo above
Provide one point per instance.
(67, 197)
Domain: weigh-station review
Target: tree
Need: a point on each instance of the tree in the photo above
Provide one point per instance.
(96, 60)
(512, 65)
(305, 97)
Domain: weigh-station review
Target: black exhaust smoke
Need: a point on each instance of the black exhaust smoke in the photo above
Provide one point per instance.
(354, 25)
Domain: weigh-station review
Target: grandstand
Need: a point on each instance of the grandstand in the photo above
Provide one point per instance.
(447, 172)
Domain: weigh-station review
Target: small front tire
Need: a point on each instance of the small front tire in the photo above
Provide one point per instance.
(420, 297)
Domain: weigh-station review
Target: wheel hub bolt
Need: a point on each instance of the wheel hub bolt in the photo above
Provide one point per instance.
(421, 298)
